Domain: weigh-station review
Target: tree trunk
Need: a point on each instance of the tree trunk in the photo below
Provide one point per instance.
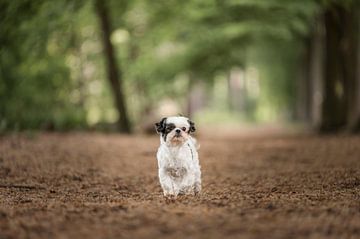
(316, 73)
(230, 97)
(237, 91)
(190, 98)
(303, 85)
(352, 66)
(334, 107)
(114, 74)
(196, 97)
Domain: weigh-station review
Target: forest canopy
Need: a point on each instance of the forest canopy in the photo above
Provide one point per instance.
(101, 64)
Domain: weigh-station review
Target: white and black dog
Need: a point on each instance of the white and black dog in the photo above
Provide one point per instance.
(179, 169)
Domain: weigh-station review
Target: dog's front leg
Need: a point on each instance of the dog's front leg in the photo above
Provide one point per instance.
(170, 189)
(197, 184)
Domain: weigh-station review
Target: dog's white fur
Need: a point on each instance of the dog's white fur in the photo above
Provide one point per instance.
(179, 168)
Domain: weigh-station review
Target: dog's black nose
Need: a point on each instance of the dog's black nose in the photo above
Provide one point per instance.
(178, 131)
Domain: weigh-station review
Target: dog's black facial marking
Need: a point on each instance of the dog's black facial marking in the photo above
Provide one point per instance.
(192, 126)
(168, 128)
(160, 126)
(163, 128)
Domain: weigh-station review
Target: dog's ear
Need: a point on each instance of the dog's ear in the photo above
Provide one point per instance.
(160, 126)
(192, 126)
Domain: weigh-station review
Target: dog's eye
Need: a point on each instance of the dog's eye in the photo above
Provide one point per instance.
(183, 128)
(170, 127)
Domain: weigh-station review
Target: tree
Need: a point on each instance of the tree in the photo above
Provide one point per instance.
(331, 59)
(114, 72)
(335, 80)
(353, 71)
(338, 33)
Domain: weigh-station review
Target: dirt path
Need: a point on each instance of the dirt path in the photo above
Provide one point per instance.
(83, 185)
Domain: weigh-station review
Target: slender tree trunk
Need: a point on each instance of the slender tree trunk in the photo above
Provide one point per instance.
(237, 90)
(303, 85)
(81, 77)
(190, 98)
(352, 66)
(316, 73)
(196, 96)
(334, 107)
(230, 96)
(114, 74)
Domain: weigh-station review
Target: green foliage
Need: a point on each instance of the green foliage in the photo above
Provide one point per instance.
(215, 36)
(35, 82)
(52, 71)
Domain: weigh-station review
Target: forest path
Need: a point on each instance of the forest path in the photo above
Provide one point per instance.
(264, 185)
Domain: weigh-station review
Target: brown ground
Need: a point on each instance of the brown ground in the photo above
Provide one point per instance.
(88, 185)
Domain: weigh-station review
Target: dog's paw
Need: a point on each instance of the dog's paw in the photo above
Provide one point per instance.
(170, 198)
(197, 188)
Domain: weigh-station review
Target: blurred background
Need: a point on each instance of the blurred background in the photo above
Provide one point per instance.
(269, 77)
(120, 65)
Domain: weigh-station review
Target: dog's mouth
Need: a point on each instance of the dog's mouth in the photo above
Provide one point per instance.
(177, 137)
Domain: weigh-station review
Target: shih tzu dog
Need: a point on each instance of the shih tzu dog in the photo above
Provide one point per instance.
(179, 169)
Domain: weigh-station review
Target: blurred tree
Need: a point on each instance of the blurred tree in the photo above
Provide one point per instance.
(354, 120)
(332, 81)
(313, 71)
(339, 66)
(114, 72)
(352, 64)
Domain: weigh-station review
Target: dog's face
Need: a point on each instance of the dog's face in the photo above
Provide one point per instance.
(175, 130)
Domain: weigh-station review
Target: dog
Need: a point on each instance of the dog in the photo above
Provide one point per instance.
(178, 162)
